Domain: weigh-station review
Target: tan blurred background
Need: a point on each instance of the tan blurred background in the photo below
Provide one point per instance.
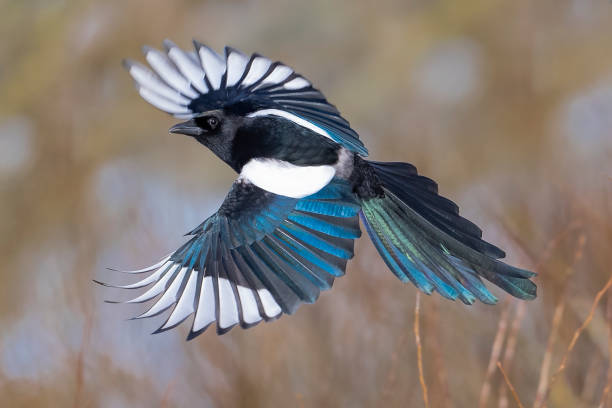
(507, 104)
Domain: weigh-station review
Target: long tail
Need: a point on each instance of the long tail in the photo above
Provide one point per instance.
(424, 240)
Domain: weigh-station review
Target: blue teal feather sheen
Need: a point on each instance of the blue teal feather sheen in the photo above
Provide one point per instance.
(419, 256)
(312, 257)
(434, 259)
(320, 225)
(314, 240)
(296, 264)
(332, 208)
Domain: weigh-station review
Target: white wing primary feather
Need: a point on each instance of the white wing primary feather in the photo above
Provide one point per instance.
(184, 307)
(296, 83)
(279, 74)
(188, 67)
(155, 289)
(149, 80)
(259, 67)
(271, 308)
(146, 269)
(250, 312)
(168, 298)
(228, 309)
(205, 313)
(236, 64)
(148, 280)
(162, 103)
(213, 64)
(168, 73)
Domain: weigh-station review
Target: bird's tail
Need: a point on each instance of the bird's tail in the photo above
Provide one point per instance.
(423, 239)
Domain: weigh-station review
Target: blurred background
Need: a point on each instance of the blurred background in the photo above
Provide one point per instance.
(507, 104)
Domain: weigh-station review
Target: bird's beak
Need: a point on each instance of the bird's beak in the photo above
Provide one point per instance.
(189, 128)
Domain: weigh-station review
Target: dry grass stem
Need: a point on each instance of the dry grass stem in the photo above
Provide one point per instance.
(439, 363)
(521, 308)
(576, 336)
(547, 360)
(606, 401)
(167, 393)
(510, 386)
(556, 321)
(495, 354)
(80, 365)
(417, 336)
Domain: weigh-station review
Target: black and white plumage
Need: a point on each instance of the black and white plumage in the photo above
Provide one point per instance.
(287, 227)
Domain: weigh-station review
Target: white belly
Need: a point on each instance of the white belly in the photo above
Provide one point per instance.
(283, 178)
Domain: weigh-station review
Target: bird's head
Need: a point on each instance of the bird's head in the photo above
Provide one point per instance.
(217, 124)
(208, 124)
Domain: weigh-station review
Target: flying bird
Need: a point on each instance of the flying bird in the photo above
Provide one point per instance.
(287, 227)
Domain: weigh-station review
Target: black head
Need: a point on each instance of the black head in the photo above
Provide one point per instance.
(214, 129)
(206, 125)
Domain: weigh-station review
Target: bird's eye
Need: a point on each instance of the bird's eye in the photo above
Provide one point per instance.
(212, 123)
(208, 123)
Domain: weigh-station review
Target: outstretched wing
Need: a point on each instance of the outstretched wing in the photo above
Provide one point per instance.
(187, 83)
(259, 256)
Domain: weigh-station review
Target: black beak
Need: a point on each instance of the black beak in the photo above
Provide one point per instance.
(189, 128)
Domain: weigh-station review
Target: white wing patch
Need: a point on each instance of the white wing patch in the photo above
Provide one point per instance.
(187, 83)
(250, 312)
(296, 83)
(168, 72)
(279, 74)
(286, 179)
(259, 67)
(162, 103)
(179, 77)
(184, 307)
(213, 64)
(188, 66)
(228, 309)
(236, 64)
(205, 314)
(178, 286)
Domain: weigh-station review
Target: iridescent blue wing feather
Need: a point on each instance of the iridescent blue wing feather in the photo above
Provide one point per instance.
(259, 256)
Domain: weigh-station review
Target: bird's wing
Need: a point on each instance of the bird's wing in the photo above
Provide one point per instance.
(185, 84)
(259, 256)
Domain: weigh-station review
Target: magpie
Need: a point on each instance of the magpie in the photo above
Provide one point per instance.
(287, 227)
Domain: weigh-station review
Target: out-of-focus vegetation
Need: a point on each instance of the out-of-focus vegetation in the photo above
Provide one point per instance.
(507, 104)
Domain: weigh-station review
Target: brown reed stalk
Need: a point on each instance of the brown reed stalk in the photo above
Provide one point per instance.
(521, 308)
(576, 336)
(440, 367)
(510, 386)
(498, 342)
(557, 317)
(167, 393)
(605, 400)
(80, 364)
(547, 360)
(417, 336)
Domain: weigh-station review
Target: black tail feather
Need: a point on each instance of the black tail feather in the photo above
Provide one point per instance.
(423, 239)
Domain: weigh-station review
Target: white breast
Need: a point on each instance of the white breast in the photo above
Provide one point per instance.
(283, 178)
